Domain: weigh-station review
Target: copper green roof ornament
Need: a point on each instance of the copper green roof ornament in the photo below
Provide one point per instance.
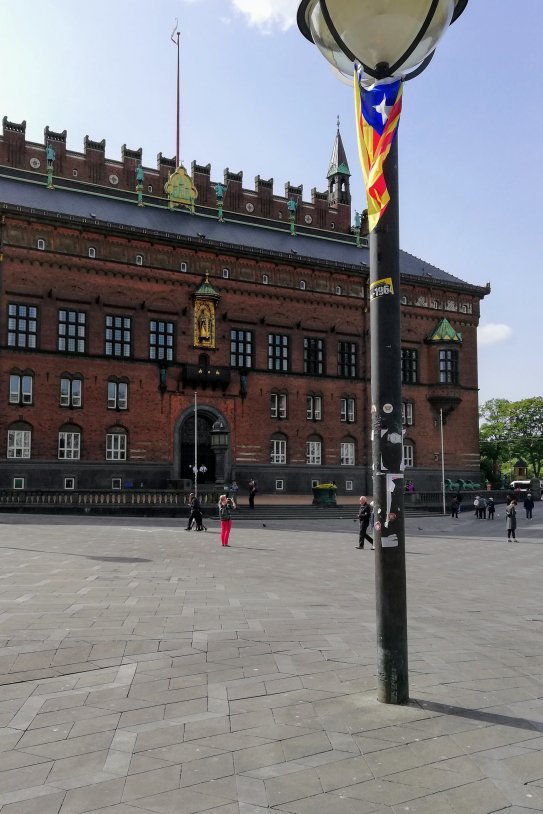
(139, 184)
(219, 192)
(292, 206)
(338, 162)
(444, 333)
(50, 156)
(357, 227)
(205, 289)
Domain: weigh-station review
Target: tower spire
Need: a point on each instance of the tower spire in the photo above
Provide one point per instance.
(338, 173)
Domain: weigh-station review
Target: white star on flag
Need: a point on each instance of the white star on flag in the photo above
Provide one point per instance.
(383, 109)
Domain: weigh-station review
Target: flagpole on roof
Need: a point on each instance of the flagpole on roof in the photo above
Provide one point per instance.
(176, 34)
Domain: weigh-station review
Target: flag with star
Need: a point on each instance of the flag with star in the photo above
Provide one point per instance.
(377, 117)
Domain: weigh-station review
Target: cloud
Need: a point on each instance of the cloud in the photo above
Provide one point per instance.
(493, 333)
(268, 14)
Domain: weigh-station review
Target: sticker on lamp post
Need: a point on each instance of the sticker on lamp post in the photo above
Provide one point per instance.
(380, 288)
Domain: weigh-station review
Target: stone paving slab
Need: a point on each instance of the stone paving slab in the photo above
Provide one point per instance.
(143, 670)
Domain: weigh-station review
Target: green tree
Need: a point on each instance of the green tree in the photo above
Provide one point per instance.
(526, 425)
(495, 436)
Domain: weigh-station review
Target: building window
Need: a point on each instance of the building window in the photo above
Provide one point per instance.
(183, 266)
(118, 336)
(348, 486)
(346, 453)
(302, 285)
(409, 366)
(72, 330)
(92, 251)
(348, 409)
(69, 444)
(338, 289)
(278, 353)
(278, 405)
(20, 388)
(116, 446)
(241, 348)
(41, 244)
(139, 260)
(279, 485)
(117, 395)
(18, 483)
(313, 452)
(116, 483)
(265, 279)
(226, 273)
(313, 356)
(407, 413)
(149, 187)
(19, 442)
(22, 326)
(69, 483)
(403, 300)
(347, 359)
(71, 391)
(408, 454)
(75, 173)
(161, 340)
(448, 366)
(278, 451)
(314, 408)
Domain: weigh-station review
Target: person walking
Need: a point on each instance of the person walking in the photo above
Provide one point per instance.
(511, 520)
(455, 505)
(252, 492)
(226, 505)
(491, 508)
(476, 504)
(482, 508)
(195, 513)
(364, 517)
(234, 489)
(529, 506)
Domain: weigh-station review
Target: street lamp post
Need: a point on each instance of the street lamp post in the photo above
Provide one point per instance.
(389, 40)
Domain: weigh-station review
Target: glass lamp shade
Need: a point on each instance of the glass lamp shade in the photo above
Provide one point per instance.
(388, 37)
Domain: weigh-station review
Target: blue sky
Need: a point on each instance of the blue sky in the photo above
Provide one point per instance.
(257, 97)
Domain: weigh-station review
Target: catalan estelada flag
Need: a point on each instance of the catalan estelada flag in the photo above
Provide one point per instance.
(377, 118)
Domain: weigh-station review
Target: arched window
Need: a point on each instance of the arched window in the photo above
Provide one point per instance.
(117, 394)
(278, 449)
(71, 390)
(21, 387)
(92, 251)
(19, 440)
(265, 279)
(226, 273)
(347, 452)
(313, 450)
(302, 285)
(41, 244)
(116, 444)
(278, 405)
(338, 289)
(69, 442)
(139, 260)
(313, 407)
(408, 454)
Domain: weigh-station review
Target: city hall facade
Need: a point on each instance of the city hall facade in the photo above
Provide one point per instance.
(136, 300)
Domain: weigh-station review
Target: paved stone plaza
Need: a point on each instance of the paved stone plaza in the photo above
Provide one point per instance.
(145, 669)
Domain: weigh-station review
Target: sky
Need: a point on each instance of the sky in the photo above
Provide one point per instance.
(259, 98)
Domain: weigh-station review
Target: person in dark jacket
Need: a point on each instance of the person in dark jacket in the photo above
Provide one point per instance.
(511, 520)
(364, 517)
(491, 508)
(455, 505)
(195, 514)
(253, 489)
(529, 506)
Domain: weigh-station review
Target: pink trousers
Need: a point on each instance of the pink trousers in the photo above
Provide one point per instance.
(226, 525)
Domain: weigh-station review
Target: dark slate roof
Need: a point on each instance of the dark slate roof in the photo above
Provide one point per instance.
(264, 237)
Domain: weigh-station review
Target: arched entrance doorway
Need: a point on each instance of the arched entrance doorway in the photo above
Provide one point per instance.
(205, 456)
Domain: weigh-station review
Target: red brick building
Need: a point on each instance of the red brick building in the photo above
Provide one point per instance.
(120, 301)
